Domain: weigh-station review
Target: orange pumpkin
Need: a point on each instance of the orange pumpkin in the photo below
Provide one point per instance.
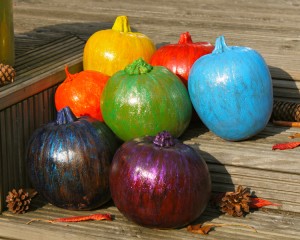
(81, 92)
(110, 50)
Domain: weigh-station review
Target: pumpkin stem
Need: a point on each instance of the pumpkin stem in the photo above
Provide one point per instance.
(138, 66)
(164, 139)
(185, 38)
(69, 76)
(65, 116)
(220, 45)
(121, 24)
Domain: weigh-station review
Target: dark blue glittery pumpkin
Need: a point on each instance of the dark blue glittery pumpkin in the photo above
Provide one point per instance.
(69, 159)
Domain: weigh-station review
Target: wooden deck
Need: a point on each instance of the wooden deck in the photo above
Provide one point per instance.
(51, 34)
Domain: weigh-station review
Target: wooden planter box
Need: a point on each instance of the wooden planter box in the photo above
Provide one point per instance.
(29, 102)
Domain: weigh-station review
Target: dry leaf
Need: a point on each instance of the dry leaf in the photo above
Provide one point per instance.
(286, 145)
(96, 217)
(296, 135)
(203, 230)
(259, 203)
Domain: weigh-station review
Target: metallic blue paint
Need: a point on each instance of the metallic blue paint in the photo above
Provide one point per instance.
(69, 160)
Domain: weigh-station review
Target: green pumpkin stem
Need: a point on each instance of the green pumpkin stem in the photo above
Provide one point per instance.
(220, 45)
(164, 139)
(138, 66)
(185, 38)
(121, 24)
(65, 116)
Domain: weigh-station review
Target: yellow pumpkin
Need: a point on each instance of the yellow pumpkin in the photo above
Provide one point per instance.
(110, 50)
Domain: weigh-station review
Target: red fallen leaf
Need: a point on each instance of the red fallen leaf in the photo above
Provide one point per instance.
(259, 203)
(97, 217)
(286, 145)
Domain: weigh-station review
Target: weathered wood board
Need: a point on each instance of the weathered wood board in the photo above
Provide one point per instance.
(257, 225)
(271, 27)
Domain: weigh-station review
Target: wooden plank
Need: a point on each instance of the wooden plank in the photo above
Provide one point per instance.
(41, 69)
(121, 228)
(270, 174)
(29, 102)
(254, 25)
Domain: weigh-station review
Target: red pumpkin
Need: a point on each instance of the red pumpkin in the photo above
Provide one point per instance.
(82, 92)
(180, 57)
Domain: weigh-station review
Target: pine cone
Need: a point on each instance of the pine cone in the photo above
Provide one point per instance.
(18, 201)
(7, 74)
(286, 111)
(236, 203)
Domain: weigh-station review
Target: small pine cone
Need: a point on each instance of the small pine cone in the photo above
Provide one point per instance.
(236, 203)
(7, 74)
(18, 201)
(286, 111)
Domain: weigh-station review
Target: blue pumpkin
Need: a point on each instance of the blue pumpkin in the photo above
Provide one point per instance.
(69, 160)
(231, 91)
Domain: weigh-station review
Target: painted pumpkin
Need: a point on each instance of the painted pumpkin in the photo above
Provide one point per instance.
(69, 160)
(81, 92)
(231, 90)
(159, 182)
(180, 57)
(110, 50)
(144, 100)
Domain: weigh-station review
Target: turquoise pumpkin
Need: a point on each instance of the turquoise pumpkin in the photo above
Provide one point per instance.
(144, 100)
(231, 91)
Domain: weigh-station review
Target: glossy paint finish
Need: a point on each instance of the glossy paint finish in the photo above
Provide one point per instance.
(68, 162)
(81, 92)
(139, 104)
(159, 187)
(231, 90)
(110, 50)
(180, 57)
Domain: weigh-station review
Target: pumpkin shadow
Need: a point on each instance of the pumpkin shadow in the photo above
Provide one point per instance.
(284, 89)
(221, 182)
(220, 177)
(37, 202)
(43, 35)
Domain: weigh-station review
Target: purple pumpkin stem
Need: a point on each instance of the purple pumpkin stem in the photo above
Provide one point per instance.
(65, 116)
(164, 139)
(220, 45)
(138, 66)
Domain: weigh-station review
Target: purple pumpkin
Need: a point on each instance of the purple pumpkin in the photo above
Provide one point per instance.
(159, 182)
(69, 160)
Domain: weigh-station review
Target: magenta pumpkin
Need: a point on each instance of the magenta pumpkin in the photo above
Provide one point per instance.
(159, 182)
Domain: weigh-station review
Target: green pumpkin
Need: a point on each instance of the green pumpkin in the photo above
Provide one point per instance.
(144, 100)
